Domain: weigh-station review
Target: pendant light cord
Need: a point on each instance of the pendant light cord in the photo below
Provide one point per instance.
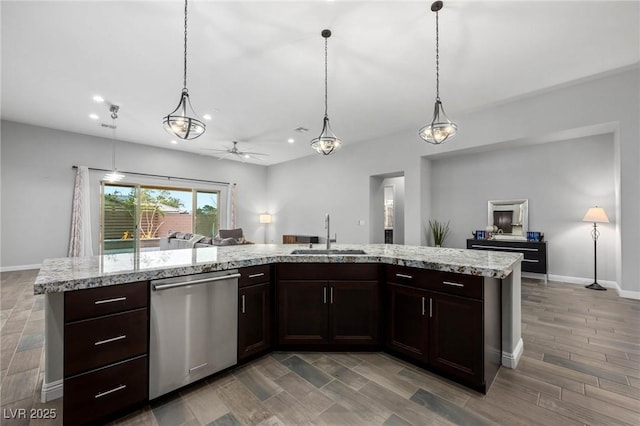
(185, 47)
(325, 77)
(437, 60)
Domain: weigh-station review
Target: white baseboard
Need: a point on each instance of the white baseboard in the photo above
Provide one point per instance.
(627, 294)
(51, 391)
(511, 359)
(19, 268)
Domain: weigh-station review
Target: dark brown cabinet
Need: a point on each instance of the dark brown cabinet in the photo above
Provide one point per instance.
(105, 351)
(254, 311)
(407, 324)
(456, 336)
(339, 306)
(449, 322)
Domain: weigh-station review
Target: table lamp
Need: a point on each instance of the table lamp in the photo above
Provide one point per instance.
(596, 215)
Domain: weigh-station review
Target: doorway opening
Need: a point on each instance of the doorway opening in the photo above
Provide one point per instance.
(386, 208)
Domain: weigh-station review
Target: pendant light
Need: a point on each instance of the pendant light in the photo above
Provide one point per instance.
(327, 142)
(113, 176)
(441, 128)
(182, 121)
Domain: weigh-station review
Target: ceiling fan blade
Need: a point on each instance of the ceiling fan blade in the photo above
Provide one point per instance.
(214, 150)
(254, 153)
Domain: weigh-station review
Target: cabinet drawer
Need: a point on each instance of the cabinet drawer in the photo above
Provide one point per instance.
(254, 275)
(405, 275)
(328, 271)
(458, 284)
(92, 396)
(97, 342)
(89, 303)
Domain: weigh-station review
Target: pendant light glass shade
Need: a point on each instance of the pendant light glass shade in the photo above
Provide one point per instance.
(183, 122)
(441, 129)
(327, 142)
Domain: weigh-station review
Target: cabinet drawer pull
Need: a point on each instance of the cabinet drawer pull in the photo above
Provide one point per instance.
(243, 303)
(331, 295)
(430, 308)
(197, 367)
(531, 260)
(101, 394)
(324, 294)
(117, 299)
(504, 247)
(113, 339)
(404, 276)
(256, 275)
(453, 284)
(423, 311)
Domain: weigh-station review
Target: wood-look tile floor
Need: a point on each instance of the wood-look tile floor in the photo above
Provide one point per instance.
(581, 365)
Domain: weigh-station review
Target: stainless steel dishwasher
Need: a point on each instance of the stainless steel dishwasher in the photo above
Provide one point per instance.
(193, 329)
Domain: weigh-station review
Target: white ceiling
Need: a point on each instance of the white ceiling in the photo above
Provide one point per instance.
(257, 66)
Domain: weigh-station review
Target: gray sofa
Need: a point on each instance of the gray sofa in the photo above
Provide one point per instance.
(182, 240)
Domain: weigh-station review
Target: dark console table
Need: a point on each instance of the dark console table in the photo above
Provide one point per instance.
(535, 252)
(300, 239)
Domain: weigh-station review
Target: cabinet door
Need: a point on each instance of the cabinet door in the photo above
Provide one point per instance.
(254, 319)
(407, 320)
(354, 312)
(302, 311)
(456, 336)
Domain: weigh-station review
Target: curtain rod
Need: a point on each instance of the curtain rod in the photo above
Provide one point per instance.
(157, 176)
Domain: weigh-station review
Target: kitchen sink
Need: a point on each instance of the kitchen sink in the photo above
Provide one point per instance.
(331, 251)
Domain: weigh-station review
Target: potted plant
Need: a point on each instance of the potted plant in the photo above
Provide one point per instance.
(439, 230)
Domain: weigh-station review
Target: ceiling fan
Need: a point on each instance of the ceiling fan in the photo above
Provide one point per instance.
(234, 151)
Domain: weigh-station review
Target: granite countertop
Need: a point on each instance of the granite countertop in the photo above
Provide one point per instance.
(64, 274)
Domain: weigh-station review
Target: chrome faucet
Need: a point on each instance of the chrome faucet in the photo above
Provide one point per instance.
(327, 222)
(326, 225)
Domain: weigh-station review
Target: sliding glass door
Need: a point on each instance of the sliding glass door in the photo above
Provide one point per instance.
(136, 217)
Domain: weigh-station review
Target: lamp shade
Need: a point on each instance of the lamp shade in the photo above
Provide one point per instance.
(265, 218)
(596, 215)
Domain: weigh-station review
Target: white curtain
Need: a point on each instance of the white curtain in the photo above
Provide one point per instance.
(80, 242)
(233, 206)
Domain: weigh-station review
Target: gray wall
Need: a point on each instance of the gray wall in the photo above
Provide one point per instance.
(36, 172)
(561, 181)
(301, 190)
(37, 185)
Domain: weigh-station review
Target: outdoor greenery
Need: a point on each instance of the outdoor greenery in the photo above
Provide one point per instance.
(207, 220)
(151, 212)
(439, 232)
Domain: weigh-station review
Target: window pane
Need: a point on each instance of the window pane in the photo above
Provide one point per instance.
(207, 213)
(118, 219)
(163, 210)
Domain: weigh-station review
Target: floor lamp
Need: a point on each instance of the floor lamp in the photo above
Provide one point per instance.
(596, 215)
(265, 219)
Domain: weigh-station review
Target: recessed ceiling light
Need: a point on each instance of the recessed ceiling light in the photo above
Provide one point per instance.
(246, 156)
(291, 140)
(93, 116)
(98, 98)
(174, 142)
(206, 117)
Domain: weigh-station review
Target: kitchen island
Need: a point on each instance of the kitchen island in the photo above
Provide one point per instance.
(58, 276)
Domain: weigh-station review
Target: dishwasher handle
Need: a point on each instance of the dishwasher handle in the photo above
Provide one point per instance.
(158, 287)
